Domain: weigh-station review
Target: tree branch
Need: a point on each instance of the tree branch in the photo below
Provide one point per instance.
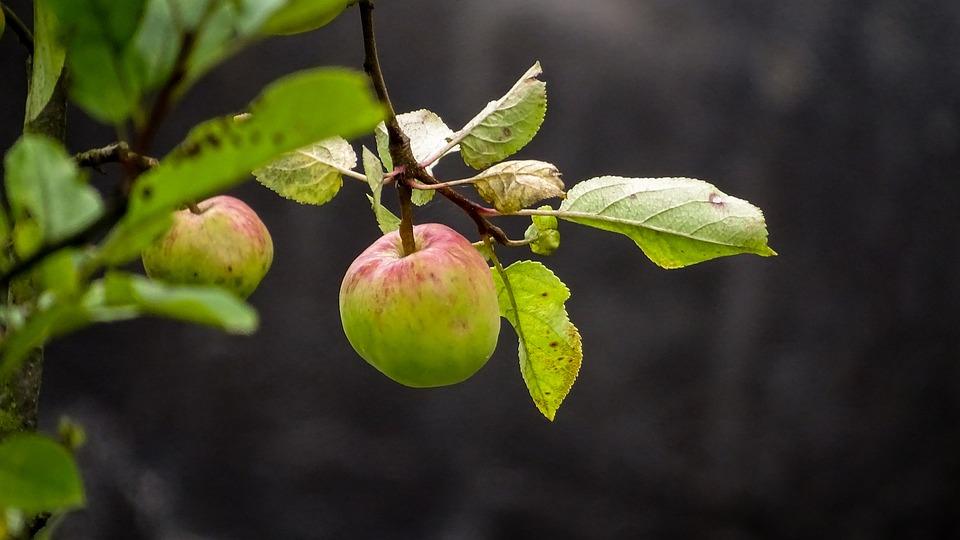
(477, 212)
(164, 100)
(118, 152)
(20, 393)
(447, 183)
(19, 28)
(408, 170)
(400, 151)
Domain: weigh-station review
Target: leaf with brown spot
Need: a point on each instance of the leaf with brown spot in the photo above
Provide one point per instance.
(675, 221)
(532, 298)
(512, 185)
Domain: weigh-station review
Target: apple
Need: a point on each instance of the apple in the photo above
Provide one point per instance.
(224, 244)
(427, 319)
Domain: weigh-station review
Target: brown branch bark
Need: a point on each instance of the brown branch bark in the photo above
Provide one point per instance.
(400, 151)
(409, 169)
(118, 152)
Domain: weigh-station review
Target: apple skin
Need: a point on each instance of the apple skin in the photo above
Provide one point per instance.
(226, 245)
(428, 319)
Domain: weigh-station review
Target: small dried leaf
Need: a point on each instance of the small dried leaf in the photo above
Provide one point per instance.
(513, 185)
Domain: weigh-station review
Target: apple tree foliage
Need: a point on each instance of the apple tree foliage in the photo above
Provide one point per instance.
(66, 247)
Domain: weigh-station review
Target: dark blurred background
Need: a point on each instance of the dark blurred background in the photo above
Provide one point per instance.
(813, 395)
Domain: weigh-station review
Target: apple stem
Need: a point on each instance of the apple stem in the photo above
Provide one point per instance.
(194, 209)
(406, 219)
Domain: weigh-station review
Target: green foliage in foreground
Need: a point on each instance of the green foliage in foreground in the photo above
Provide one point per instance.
(38, 474)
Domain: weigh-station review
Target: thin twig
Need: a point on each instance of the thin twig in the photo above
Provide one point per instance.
(408, 172)
(350, 173)
(173, 86)
(399, 143)
(164, 100)
(477, 212)
(118, 152)
(24, 35)
(449, 183)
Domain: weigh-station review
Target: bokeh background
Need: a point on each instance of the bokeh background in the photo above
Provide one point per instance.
(813, 395)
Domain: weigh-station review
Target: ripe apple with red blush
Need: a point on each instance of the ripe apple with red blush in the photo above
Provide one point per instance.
(222, 242)
(425, 319)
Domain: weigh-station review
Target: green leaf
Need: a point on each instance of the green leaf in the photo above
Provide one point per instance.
(49, 199)
(60, 272)
(292, 112)
(126, 243)
(103, 65)
(158, 41)
(48, 58)
(38, 475)
(312, 174)
(506, 125)
(303, 16)
(513, 185)
(221, 28)
(211, 306)
(421, 197)
(6, 231)
(532, 299)
(428, 135)
(386, 220)
(675, 221)
(231, 26)
(118, 297)
(543, 234)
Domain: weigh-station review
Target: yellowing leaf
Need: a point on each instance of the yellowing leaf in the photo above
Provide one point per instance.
(532, 299)
(513, 185)
(312, 174)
